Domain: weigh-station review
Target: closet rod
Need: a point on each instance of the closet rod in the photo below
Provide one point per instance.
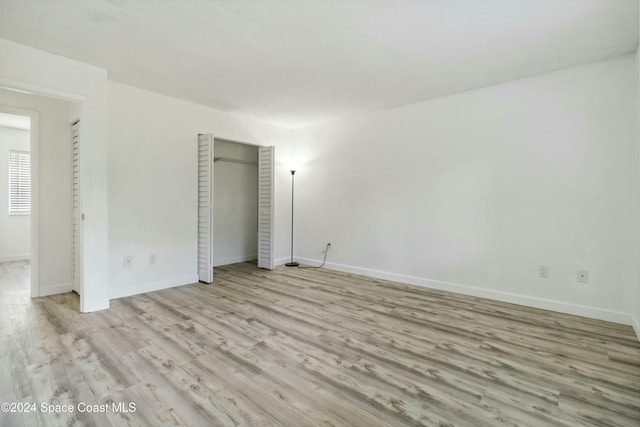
(229, 160)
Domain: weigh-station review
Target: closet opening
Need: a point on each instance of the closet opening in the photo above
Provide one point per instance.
(235, 204)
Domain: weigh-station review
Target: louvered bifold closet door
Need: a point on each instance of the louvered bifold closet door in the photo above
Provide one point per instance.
(205, 208)
(265, 207)
(77, 207)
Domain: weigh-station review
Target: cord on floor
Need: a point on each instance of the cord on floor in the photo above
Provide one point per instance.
(324, 260)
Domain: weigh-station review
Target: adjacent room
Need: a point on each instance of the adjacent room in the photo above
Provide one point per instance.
(15, 184)
(340, 213)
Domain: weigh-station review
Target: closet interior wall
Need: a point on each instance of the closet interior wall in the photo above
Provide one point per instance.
(235, 202)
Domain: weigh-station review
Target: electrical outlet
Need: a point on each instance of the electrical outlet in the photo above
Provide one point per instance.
(127, 261)
(153, 259)
(543, 272)
(583, 276)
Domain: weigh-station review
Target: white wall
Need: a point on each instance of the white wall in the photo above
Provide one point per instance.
(635, 284)
(15, 229)
(25, 68)
(469, 192)
(153, 184)
(235, 203)
(54, 183)
(472, 192)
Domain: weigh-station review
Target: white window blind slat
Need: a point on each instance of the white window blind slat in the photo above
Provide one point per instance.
(19, 182)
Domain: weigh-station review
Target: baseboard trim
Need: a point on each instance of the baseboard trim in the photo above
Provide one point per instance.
(60, 288)
(91, 307)
(151, 286)
(281, 261)
(234, 260)
(19, 257)
(529, 301)
(635, 322)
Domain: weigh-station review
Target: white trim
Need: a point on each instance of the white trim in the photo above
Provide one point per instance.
(19, 257)
(234, 260)
(529, 301)
(635, 322)
(60, 288)
(91, 306)
(34, 144)
(152, 286)
(283, 261)
(31, 89)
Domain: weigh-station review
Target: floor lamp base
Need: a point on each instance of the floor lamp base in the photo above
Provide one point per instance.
(292, 264)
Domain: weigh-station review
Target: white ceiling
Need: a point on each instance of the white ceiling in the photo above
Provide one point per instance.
(297, 63)
(13, 121)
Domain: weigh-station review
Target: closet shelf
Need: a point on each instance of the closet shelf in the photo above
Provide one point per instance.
(230, 160)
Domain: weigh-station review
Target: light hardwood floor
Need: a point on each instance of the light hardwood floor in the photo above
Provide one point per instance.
(308, 347)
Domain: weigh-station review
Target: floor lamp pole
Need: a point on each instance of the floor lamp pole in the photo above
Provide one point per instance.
(292, 263)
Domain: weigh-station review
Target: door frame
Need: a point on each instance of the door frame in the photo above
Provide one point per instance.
(29, 89)
(34, 249)
(91, 96)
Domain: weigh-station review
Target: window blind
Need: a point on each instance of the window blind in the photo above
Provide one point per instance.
(19, 182)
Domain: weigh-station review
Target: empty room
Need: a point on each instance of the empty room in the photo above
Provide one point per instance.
(319, 213)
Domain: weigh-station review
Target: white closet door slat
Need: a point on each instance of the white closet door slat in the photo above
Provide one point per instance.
(77, 208)
(205, 208)
(265, 207)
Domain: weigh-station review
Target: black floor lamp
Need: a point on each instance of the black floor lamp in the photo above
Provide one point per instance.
(292, 263)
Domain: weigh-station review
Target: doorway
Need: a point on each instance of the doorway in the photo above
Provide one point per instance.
(235, 204)
(15, 204)
(50, 216)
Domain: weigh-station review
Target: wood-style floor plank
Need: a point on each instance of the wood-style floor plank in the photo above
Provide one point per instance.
(310, 347)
